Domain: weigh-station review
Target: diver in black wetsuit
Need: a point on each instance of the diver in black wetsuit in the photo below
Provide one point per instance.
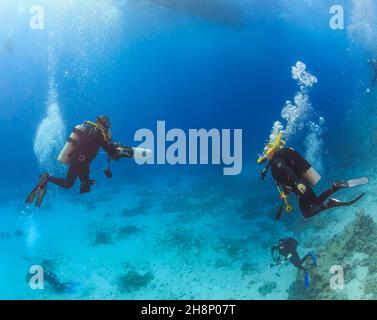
(93, 138)
(61, 287)
(290, 171)
(373, 63)
(81, 149)
(287, 168)
(287, 248)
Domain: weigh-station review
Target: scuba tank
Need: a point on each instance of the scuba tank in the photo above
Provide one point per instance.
(72, 144)
(312, 176)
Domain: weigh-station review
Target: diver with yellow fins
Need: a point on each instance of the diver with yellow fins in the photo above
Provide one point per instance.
(80, 150)
(294, 174)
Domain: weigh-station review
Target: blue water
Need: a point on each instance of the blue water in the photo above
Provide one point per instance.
(191, 230)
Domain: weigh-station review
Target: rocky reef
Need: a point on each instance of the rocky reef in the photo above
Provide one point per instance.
(134, 281)
(108, 235)
(267, 288)
(355, 250)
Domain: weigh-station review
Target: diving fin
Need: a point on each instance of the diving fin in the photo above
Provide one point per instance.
(357, 182)
(337, 203)
(351, 183)
(70, 286)
(30, 198)
(39, 191)
(306, 279)
(41, 194)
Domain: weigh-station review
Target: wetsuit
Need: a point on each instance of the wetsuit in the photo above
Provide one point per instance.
(373, 63)
(287, 169)
(91, 141)
(288, 249)
(58, 286)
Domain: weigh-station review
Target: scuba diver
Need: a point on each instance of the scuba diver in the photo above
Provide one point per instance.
(293, 174)
(286, 251)
(61, 287)
(373, 63)
(80, 150)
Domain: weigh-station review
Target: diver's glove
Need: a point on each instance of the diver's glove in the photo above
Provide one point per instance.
(301, 188)
(125, 152)
(121, 152)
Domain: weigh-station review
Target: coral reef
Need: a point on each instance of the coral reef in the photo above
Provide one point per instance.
(248, 269)
(235, 249)
(267, 288)
(105, 235)
(126, 232)
(134, 281)
(141, 208)
(102, 237)
(182, 240)
(358, 239)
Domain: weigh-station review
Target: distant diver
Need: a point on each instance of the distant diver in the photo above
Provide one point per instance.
(286, 251)
(60, 287)
(293, 174)
(80, 150)
(373, 63)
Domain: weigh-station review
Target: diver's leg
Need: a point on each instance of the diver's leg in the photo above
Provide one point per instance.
(324, 196)
(295, 260)
(337, 185)
(303, 260)
(309, 204)
(300, 267)
(86, 183)
(314, 210)
(69, 181)
(39, 191)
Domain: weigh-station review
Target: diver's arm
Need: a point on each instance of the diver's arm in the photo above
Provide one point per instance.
(111, 149)
(273, 249)
(275, 260)
(126, 152)
(289, 172)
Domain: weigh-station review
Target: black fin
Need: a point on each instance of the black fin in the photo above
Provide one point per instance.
(351, 183)
(41, 194)
(30, 198)
(39, 191)
(337, 203)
